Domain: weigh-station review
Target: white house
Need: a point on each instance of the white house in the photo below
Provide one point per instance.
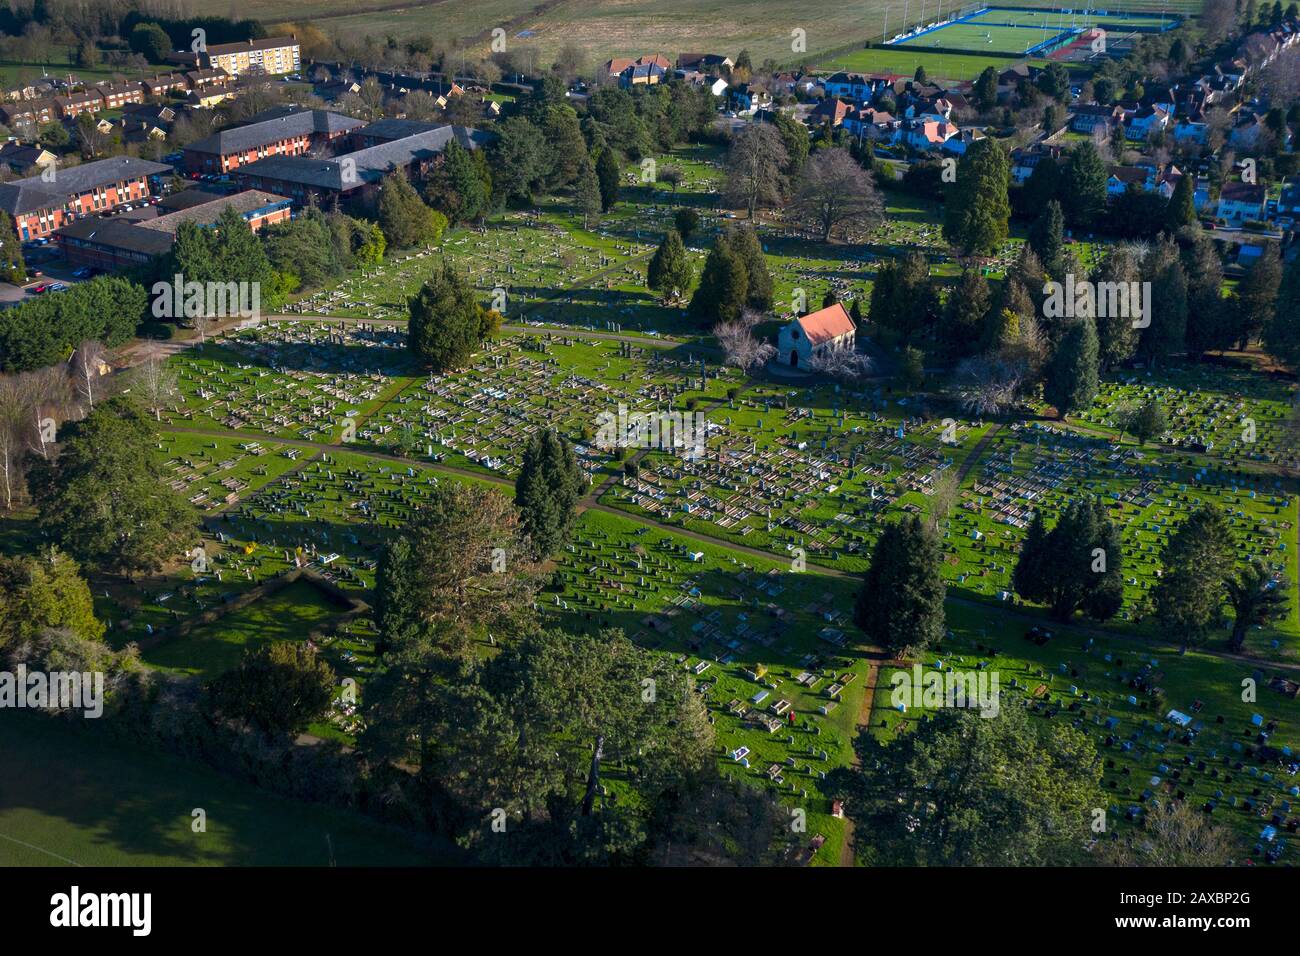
(814, 334)
(1239, 201)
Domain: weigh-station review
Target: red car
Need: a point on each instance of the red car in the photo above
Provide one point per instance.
(38, 289)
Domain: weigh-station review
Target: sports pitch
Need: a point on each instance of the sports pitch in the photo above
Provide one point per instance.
(1027, 31)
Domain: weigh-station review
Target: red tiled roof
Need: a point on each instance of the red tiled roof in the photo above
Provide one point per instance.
(825, 324)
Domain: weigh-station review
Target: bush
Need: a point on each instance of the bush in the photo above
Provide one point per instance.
(43, 331)
(162, 331)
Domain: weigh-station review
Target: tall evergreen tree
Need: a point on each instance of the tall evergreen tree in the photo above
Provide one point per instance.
(1083, 187)
(1047, 239)
(1117, 339)
(964, 312)
(977, 211)
(607, 172)
(1256, 298)
(1166, 302)
(1209, 323)
(403, 215)
(459, 187)
(670, 270)
(12, 267)
(1181, 211)
(1257, 600)
(900, 604)
(1072, 382)
(743, 241)
(547, 491)
(587, 193)
(1078, 565)
(446, 324)
(723, 289)
(1188, 597)
(105, 499)
(1282, 334)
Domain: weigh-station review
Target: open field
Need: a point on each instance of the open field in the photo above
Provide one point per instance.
(609, 29)
(905, 59)
(75, 798)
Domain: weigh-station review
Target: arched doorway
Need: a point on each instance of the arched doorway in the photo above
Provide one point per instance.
(794, 359)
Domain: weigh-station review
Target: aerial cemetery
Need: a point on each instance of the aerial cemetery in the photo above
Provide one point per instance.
(555, 437)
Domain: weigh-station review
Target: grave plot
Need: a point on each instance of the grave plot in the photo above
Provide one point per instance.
(1227, 414)
(484, 416)
(810, 468)
(215, 473)
(292, 379)
(770, 649)
(1043, 466)
(332, 516)
(212, 649)
(534, 254)
(1166, 726)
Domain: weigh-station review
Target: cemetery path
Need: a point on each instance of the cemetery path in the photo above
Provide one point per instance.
(977, 453)
(848, 851)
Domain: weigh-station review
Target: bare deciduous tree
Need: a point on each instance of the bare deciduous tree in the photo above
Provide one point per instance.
(987, 385)
(835, 192)
(86, 363)
(16, 399)
(843, 365)
(741, 348)
(154, 381)
(754, 165)
(944, 491)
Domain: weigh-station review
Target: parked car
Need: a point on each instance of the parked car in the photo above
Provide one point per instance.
(83, 273)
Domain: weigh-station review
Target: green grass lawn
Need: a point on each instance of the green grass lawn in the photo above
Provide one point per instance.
(290, 614)
(75, 797)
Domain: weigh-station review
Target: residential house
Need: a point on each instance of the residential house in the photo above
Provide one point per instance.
(1242, 201)
(1145, 122)
(24, 160)
(829, 110)
(1092, 116)
(35, 112)
(81, 101)
(163, 85)
(708, 63)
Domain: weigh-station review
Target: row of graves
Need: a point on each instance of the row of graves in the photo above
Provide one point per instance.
(800, 468)
(378, 293)
(1223, 413)
(767, 648)
(485, 415)
(1028, 468)
(333, 516)
(291, 379)
(213, 474)
(1163, 731)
